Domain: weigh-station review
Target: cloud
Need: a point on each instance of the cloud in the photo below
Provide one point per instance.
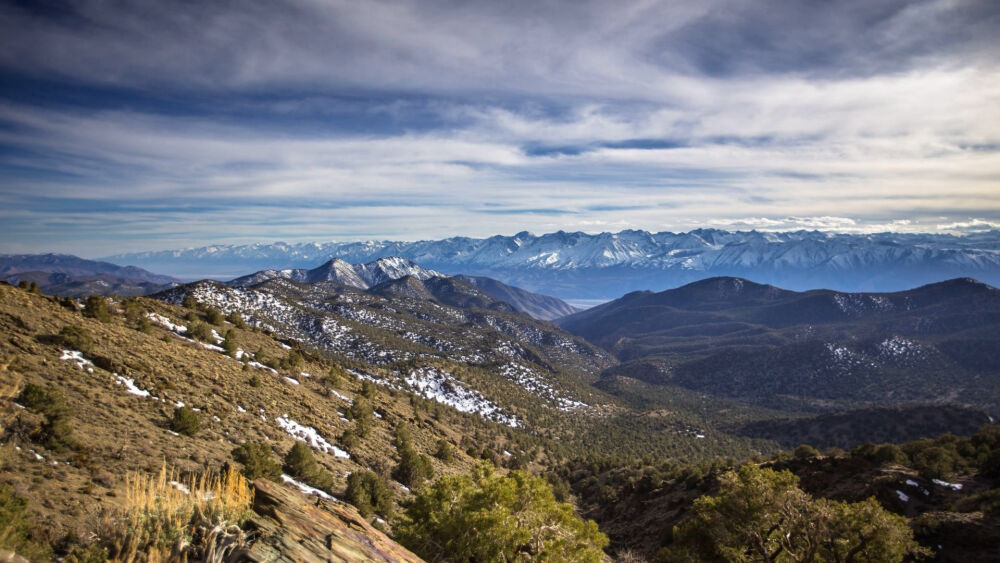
(178, 123)
(970, 226)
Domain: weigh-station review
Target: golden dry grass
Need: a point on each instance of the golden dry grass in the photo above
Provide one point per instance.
(164, 512)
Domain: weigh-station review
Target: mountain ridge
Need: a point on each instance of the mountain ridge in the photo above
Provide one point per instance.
(379, 276)
(70, 275)
(754, 342)
(607, 265)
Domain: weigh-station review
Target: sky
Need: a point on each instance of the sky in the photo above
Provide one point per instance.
(130, 126)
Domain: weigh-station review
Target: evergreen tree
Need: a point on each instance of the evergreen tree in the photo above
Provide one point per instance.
(185, 421)
(762, 515)
(300, 463)
(97, 307)
(229, 344)
(363, 415)
(258, 461)
(369, 493)
(489, 517)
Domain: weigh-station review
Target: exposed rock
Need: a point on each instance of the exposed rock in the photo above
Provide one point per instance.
(298, 528)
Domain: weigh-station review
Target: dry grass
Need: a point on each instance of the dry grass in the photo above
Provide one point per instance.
(168, 518)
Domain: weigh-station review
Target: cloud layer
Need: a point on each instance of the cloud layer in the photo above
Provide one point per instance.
(131, 126)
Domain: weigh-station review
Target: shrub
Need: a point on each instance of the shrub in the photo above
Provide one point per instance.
(189, 303)
(75, 337)
(185, 421)
(413, 468)
(254, 380)
(214, 316)
(258, 461)
(201, 331)
(762, 514)
(805, 451)
(300, 463)
(236, 320)
(369, 493)
(229, 344)
(444, 451)
(55, 432)
(402, 438)
(16, 527)
(333, 378)
(890, 453)
(349, 440)
(97, 307)
(133, 310)
(489, 517)
(363, 415)
(934, 462)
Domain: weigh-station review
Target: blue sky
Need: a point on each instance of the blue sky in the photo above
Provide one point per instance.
(128, 126)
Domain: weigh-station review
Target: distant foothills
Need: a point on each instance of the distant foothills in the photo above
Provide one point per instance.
(579, 266)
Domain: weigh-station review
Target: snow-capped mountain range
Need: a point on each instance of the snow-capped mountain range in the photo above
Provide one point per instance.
(607, 265)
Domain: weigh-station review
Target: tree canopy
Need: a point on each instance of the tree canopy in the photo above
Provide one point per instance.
(761, 515)
(490, 517)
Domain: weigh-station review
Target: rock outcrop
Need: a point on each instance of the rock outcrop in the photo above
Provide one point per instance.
(294, 527)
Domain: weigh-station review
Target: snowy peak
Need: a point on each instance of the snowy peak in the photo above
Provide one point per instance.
(607, 265)
(361, 276)
(392, 268)
(336, 270)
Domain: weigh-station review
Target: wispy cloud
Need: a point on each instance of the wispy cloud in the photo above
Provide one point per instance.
(152, 125)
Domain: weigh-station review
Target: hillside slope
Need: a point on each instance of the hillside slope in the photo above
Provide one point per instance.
(735, 338)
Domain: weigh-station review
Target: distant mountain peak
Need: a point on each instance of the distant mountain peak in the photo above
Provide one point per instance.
(606, 265)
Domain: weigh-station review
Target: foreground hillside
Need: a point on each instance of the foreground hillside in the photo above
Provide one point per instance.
(104, 396)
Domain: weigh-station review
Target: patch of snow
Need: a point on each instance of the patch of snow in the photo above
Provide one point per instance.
(208, 346)
(902, 496)
(130, 386)
(167, 323)
(311, 436)
(441, 386)
(259, 365)
(291, 381)
(306, 488)
(240, 409)
(77, 357)
(952, 486)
